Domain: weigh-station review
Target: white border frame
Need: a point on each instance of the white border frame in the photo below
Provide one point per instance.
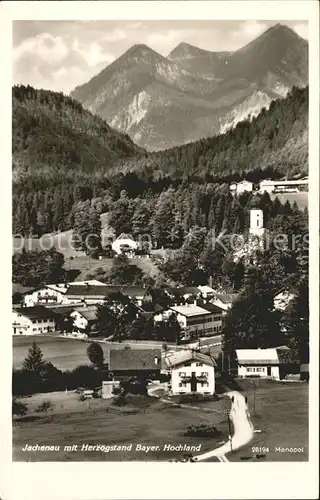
(129, 480)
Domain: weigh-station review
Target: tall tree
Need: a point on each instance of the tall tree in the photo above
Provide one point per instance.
(34, 361)
(252, 321)
(96, 355)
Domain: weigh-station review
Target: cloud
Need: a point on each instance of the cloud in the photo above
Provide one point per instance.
(115, 35)
(44, 45)
(93, 54)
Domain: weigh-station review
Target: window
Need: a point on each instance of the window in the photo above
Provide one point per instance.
(260, 369)
(182, 384)
(199, 364)
(250, 369)
(204, 384)
(204, 374)
(182, 374)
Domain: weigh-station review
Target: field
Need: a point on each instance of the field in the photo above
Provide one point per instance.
(280, 411)
(64, 352)
(301, 198)
(85, 265)
(77, 424)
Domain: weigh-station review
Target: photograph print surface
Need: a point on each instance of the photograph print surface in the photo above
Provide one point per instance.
(160, 285)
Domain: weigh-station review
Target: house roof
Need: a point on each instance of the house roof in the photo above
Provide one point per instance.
(36, 312)
(124, 236)
(134, 359)
(190, 310)
(185, 355)
(102, 291)
(226, 298)
(206, 289)
(89, 313)
(257, 356)
(212, 308)
(150, 307)
(188, 290)
(62, 309)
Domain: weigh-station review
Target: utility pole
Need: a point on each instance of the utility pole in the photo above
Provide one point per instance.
(254, 383)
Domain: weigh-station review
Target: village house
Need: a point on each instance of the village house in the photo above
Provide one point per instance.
(191, 372)
(241, 187)
(207, 292)
(149, 310)
(32, 321)
(141, 363)
(263, 363)
(124, 244)
(96, 294)
(194, 320)
(84, 319)
(284, 186)
(181, 295)
(51, 294)
(46, 295)
(224, 301)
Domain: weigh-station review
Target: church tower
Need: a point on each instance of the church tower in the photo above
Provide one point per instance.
(256, 223)
(256, 231)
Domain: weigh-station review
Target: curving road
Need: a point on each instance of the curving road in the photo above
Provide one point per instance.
(243, 429)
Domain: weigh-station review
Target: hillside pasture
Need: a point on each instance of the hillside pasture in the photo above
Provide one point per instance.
(300, 198)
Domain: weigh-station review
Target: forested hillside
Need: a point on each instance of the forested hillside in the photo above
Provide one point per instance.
(276, 140)
(63, 155)
(53, 136)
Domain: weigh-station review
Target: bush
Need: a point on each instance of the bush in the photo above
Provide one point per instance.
(202, 430)
(194, 398)
(45, 406)
(134, 385)
(120, 400)
(116, 391)
(18, 408)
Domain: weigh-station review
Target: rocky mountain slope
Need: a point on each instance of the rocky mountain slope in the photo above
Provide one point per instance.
(162, 102)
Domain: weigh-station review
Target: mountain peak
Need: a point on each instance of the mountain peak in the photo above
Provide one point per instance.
(184, 50)
(141, 50)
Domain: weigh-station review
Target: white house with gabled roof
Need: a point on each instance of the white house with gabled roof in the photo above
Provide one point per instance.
(124, 244)
(241, 187)
(191, 372)
(262, 363)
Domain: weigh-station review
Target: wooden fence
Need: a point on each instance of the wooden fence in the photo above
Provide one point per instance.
(54, 417)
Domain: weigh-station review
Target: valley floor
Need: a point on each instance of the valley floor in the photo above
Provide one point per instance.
(74, 422)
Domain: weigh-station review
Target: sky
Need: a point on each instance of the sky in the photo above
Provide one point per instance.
(59, 55)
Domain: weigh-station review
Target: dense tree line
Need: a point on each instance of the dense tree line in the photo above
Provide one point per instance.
(63, 155)
(38, 268)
